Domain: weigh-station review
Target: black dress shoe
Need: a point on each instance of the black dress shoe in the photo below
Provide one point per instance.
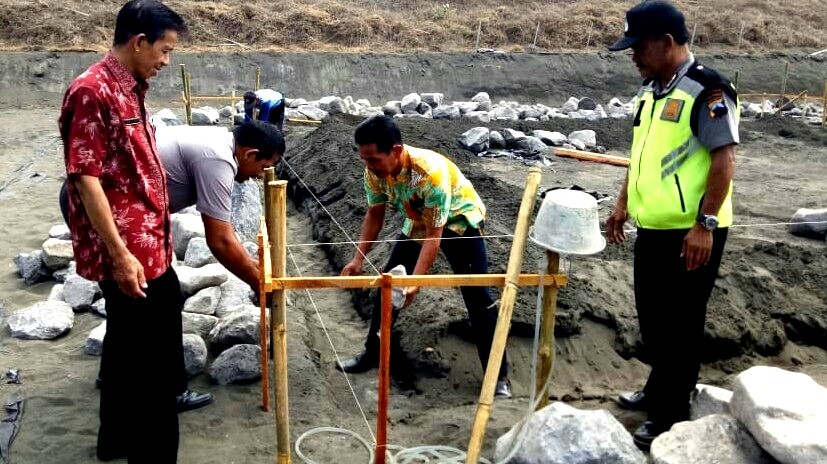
(362, 362)
(190, 400)
(635, 401)
(646, 434)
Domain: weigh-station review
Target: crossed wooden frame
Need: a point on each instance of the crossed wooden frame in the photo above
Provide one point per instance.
(272, 253)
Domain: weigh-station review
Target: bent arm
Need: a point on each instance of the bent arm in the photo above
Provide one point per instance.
(226, 248)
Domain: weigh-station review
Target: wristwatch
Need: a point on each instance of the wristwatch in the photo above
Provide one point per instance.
(708, 221)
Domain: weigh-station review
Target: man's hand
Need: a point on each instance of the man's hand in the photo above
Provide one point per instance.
(353, 268)
(129, 274)
(697, 247)
(410, 293)
(614, 225)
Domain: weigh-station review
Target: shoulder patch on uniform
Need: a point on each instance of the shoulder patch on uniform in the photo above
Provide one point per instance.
(715, 103)
(672, 110)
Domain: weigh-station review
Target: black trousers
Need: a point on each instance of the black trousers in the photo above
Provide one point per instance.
(466, 256)
(142, 351)
(671, 306)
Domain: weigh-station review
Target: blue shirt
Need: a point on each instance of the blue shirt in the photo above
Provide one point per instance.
(268, 100)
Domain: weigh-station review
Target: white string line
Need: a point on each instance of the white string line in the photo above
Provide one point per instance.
(628, 231)
(333, 347)
(364, 255)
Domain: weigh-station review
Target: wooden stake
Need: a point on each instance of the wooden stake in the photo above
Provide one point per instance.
(258, 78)
(451, 280)
(545, 353)
(384, 369)
(276, 201)
(536, 33)
(740, 36)
(735, 82)
(784, 81)
(824, 106)
(187, 94)
(232, 109)
(479, 33)
(509, 295)
(589, 38)
(589, 156)
(262, 302)
(692, 42)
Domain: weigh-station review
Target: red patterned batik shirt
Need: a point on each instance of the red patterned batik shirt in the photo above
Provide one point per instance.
(107, 134)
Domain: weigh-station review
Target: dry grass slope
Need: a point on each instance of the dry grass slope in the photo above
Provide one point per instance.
(410, 25)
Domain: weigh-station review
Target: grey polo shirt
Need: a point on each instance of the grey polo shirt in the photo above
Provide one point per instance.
(201, 168)
(713, 132)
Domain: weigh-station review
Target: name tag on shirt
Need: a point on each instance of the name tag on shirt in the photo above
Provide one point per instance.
(131, 121)
(672, 110)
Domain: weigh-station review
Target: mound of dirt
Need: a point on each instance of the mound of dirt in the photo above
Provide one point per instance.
(788, 128)
(767, 293)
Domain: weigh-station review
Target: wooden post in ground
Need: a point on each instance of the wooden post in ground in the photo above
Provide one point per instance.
(784, 82)
(276, 203)
(262, 302)
(185, 81)
(824, 106)
(479, 33)
(735, 82)
(384, 369)
(509, 295)
(232, 110)
(258, 78)
(545, 354)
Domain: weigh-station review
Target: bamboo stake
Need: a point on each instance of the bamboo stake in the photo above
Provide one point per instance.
(276, 199)
(536, 33)
(384, 369)
(789, 105)
(740, 36)
(737, 76)
(232, 110)
(262, 302)
(479, 32)
(258, 78)
(187, 96)
(824, 106)
(545, 353)
(692, 41)
(784, 78)
(589, 156)
(509, 295)
(452, 280)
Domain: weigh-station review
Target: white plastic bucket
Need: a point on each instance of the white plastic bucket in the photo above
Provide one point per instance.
(568, 223)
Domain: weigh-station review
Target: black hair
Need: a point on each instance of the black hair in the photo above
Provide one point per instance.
(681, 36)
(264, 137)
(380, 130)
(149, 17)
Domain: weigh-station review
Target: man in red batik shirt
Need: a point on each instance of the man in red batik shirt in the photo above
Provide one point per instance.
(119, 220)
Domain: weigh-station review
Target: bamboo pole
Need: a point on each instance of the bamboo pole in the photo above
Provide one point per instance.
(545, 353)
(187, 94)
(232, 110)
(262, 302)
(589, 156)
(789, 105)
(479, 33)
(824, 106)
(276, 199)
(509, 295)
(453, 280)
(784, 79)
(258, 78)
(384, 369)
(737, 76)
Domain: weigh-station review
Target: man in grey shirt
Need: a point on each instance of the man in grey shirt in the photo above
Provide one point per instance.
(201, 165)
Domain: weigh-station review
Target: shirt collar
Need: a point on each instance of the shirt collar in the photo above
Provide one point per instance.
(682, 70)
(406, 166)
(124, 78)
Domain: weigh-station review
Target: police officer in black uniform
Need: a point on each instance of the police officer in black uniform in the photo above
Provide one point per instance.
(678, 190)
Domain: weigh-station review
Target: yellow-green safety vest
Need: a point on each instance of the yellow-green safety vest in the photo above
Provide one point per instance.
(669, 167)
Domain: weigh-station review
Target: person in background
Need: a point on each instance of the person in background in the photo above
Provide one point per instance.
(270, 105)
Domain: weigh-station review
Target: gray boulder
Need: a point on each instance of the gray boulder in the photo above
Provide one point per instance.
(475, 139)
(410, 103)
(392, 108)
(367, 112)
(294, 102)
(363, 102)
(42, 321)
(198, 253)
(560, 434)
(496, 140)
(234, 292)
(586, 103)
(550, 138)
(61, 274)
(239, 364)
(184, 228)
(226, 111)
(425, 110)
(247, 210)
(312, 113)
(588, 137)
(708, 400)
(511, 136)
(531, 112)
(31, 268)
(56, 293)
(94, 343)
(57, 254)
(433, 99)
(60, 232)
(333, 105)
(195, 279)
(205, 116)
(195, 354)
(99, 307)
(484, 101)
(467, 107)
(80, 293)
(199, 324)
(570, 105)
(786, 413)
(805, 215)
(531, 145)
(577, 144)
(446, 112)
(238, 327)
(203, 302)
(504, 113)
(479, 116)
(716, 438)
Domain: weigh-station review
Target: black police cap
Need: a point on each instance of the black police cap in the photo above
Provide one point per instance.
(651, 19)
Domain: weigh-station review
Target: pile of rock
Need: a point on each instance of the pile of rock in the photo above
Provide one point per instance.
(514, 144)
(809, 113)
(771, 416)
(219, 311)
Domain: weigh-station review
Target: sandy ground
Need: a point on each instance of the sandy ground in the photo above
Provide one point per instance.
(60, 420)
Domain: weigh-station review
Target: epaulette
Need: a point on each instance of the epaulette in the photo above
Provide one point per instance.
(711, 79)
